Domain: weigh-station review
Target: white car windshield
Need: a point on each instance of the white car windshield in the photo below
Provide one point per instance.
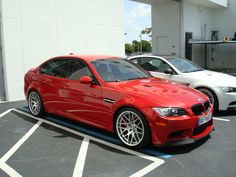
(184, 66)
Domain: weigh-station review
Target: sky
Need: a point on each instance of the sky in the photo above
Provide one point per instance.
(137, 18)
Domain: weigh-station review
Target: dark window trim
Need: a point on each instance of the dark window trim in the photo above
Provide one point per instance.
(68, 58)
(45, 63)
(175, 73)
(95, 81)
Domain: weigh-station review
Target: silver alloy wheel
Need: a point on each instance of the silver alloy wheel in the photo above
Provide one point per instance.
(130, 128)
(34, 103)
(209, 94)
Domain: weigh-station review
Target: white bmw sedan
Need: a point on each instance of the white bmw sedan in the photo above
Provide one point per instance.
(220, 88)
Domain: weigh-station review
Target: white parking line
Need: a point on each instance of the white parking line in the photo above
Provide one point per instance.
(79, 166)
(10, 171)
(2, 102)
(151, 158)
(146, 170)
(5, 113)
(220, 119)
(20, 142)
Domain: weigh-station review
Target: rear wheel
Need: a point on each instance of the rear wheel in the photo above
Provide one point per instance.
(212, 97)
(35, 104)
(132, 128)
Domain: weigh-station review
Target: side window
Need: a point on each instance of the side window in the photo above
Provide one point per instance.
(57, 68)
(149, 64)
(136, 61)
(163, 66)
(153, 64)
(77, 69)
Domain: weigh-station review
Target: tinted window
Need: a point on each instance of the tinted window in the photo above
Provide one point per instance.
(153, 64)
(57, 68)
(111, 70)
(136, 61)
(77, 69)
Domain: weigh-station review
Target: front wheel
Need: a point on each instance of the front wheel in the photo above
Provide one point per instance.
(212, 97)
(35, 104)
(132, 128)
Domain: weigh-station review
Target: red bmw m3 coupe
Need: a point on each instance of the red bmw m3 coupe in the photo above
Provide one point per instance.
(116, 95)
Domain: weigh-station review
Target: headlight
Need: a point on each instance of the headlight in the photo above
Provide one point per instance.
(170, 112)
(228, 89)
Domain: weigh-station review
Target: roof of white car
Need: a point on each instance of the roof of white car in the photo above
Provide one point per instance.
(160, 56)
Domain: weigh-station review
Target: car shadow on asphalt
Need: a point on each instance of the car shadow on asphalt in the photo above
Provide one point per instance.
(112, 138)
(183, 149)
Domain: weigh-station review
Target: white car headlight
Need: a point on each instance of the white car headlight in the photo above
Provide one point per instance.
(228, 89)
(170, 112)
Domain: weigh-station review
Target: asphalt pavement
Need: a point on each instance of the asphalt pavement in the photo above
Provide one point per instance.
(55, 146)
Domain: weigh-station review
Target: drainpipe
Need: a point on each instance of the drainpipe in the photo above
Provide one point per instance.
(182, 36)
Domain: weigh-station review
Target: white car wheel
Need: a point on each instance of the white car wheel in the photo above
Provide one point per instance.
(212, 97)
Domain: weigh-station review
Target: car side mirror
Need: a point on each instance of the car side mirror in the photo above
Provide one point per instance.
(86, 80)
(168, 71)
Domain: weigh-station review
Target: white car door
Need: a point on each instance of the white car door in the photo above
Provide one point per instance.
(171, 77)
(156, 67)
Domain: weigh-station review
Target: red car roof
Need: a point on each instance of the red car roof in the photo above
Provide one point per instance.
(90, 57)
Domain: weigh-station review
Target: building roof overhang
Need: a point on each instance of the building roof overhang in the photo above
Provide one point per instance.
(207, 3)
(211, 42)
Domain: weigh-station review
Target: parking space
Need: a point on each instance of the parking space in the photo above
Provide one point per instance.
(37, 147)
(45, 152)
(55, 146)
(212, 157)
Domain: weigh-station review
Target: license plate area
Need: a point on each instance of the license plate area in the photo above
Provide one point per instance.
(204, 119)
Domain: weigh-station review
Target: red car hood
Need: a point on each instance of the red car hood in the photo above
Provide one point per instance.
(161, 93)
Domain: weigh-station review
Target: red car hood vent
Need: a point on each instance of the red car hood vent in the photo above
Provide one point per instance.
(147, 85)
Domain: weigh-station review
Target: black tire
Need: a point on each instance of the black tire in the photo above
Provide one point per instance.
(135, 126)
(35, 104)
(211, 95)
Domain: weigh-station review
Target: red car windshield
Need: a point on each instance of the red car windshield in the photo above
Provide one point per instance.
(115, 70)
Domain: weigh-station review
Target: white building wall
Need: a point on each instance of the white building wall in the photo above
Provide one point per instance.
(166, 28)
(224, 22)
(198, 20)
(35, 30)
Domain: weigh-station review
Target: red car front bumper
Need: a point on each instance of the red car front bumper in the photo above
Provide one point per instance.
(178, 130)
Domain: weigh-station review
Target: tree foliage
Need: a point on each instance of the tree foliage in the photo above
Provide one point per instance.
(146, 46)
(128, 49)
(147, 31)
(135, 46)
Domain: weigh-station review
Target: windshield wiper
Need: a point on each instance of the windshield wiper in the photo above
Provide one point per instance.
(145, 77)
(139, 78)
